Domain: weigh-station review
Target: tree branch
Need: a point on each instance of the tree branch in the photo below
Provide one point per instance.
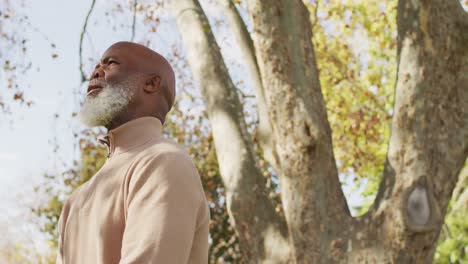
(135, 2)
(316, 8)
(429, 133)
(83, 75)
(246, 45)
(250, 209)
(311, 193)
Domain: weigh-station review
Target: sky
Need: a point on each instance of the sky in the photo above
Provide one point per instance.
(25, 135)
(28, 135)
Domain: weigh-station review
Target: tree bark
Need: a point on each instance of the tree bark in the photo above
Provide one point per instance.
(262, 232)
(242, 35)
(428, 144)
(312, 198)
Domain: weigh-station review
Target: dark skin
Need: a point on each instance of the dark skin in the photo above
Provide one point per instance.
(154, 80)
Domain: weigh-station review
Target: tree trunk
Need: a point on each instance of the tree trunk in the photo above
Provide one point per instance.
(427, 149)
(262, 232)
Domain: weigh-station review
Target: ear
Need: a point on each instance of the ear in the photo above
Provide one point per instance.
(152, 84)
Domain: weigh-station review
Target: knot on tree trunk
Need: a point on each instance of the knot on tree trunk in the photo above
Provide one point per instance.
(419, 208)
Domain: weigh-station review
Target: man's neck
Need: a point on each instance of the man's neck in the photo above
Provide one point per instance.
(120, 120)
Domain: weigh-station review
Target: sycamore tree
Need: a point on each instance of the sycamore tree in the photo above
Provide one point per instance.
(426, 151)
(384, 82)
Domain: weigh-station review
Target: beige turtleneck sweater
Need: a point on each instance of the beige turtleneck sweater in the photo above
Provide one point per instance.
(145, 205)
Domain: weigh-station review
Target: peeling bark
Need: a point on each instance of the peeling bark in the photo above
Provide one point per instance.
(428, 145)
(262, 232)
(312, 198)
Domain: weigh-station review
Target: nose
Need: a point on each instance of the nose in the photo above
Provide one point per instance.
(97, 73)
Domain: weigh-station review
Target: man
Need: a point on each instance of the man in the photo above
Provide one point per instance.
(146, 204)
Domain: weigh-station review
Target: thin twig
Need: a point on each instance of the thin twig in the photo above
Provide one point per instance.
(134, 19)
(83, 75)
(315, 22)
(244, 95)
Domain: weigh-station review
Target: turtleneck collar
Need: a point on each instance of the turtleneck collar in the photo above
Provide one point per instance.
(132, 134)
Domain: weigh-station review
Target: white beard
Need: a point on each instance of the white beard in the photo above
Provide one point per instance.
(102, 109)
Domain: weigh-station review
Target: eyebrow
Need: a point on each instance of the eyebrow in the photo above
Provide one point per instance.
(106, 59)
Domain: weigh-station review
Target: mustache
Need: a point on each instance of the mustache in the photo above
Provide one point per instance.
(96, 82)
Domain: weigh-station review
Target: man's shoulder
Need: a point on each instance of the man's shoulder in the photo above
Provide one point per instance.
(165, 155)
(164, 144)
(164, 147)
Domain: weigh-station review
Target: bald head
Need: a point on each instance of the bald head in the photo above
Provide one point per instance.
(147, 61)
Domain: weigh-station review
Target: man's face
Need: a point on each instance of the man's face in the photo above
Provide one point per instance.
(111, 89)
(115, 66)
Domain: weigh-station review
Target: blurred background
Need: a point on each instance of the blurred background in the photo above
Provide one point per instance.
(49, 47)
